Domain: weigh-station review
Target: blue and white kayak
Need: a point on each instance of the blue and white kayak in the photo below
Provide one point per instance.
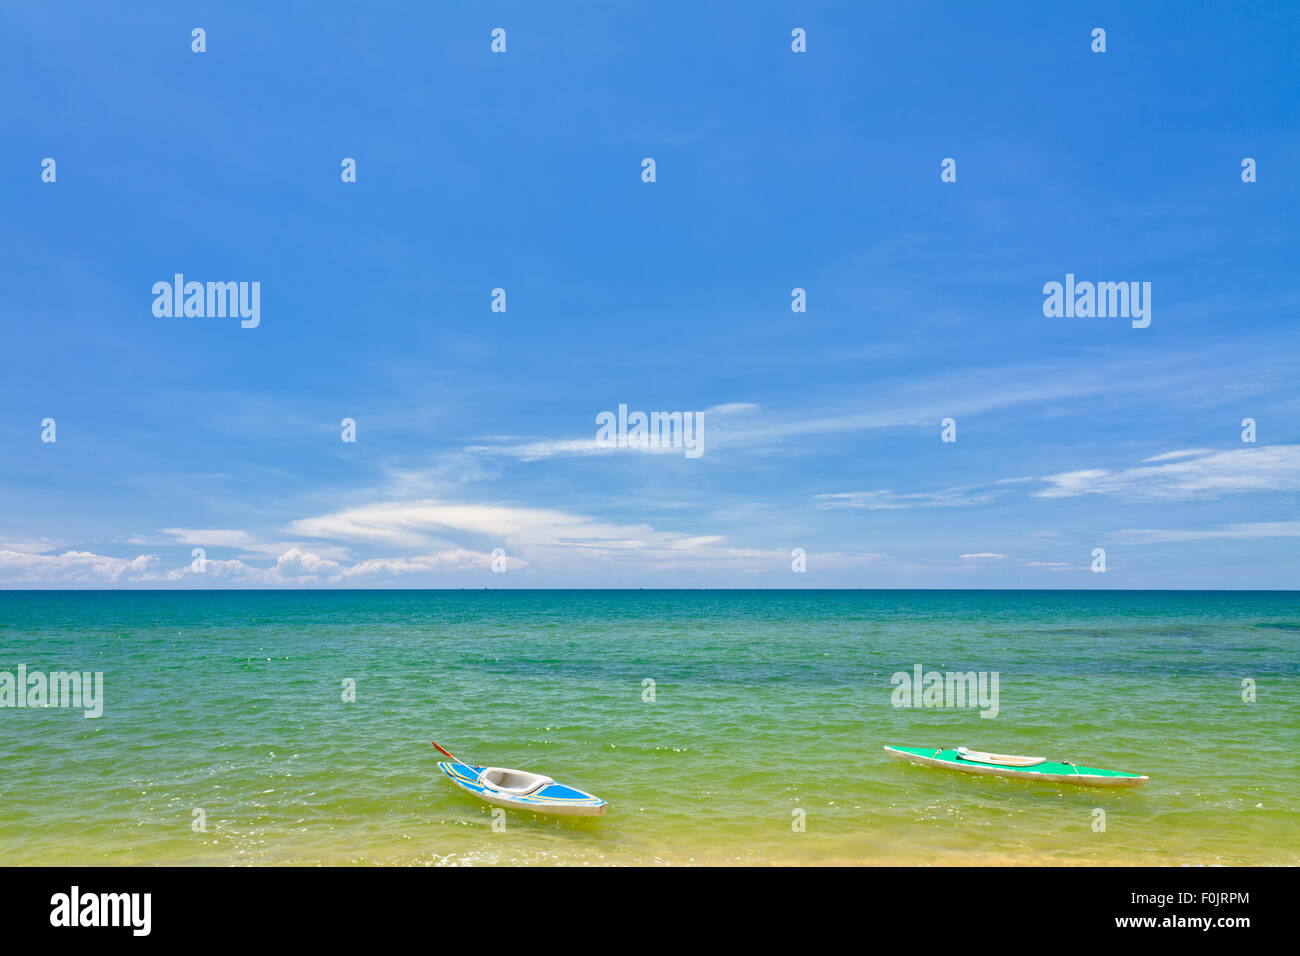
(521, 790)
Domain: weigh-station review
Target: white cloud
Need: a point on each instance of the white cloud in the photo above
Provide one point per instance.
(1198, 473)
(238, 540)
(923, 402)
(70, 568)
(554, 540)
(1178, 475)
(425, 537)
(213, 537)
(294, 568)
(1185, 453)
(460, 559)
(560, 447)
(983, 555)
(889, 500)
(1245, 531)
(31, 545)
(542, 537)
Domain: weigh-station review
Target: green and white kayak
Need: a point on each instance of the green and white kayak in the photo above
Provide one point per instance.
(1009, 765)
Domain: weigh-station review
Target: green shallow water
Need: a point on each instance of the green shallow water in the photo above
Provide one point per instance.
(765, 702)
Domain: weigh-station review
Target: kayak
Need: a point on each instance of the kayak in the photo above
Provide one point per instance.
(1010, 765)
(521, 790)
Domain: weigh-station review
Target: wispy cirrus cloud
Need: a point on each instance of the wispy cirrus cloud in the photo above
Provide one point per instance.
(913, 402)
(555, 540)
(1188, 474)
(554, 537)
(243, 541)
(1172, 476)
(1242, 531)
(891, 501)
(715, 418)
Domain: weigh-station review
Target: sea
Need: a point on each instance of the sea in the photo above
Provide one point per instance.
(723, 727)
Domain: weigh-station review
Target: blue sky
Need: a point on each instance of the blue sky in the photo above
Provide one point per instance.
(775, 170)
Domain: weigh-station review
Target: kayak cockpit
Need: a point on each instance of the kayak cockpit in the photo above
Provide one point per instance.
(517, 782)
(1000, 760)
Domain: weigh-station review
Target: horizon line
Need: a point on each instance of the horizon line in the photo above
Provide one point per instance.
(219, 590)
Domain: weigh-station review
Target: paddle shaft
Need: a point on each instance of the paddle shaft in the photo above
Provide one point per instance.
(448, 753)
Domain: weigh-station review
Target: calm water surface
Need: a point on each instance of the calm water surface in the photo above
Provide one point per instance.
(765, 702)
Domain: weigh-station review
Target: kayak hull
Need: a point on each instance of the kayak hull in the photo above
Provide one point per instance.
(554, 799)
(1046, 772)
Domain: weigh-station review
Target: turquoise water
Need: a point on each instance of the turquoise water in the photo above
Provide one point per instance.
(766, 703)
